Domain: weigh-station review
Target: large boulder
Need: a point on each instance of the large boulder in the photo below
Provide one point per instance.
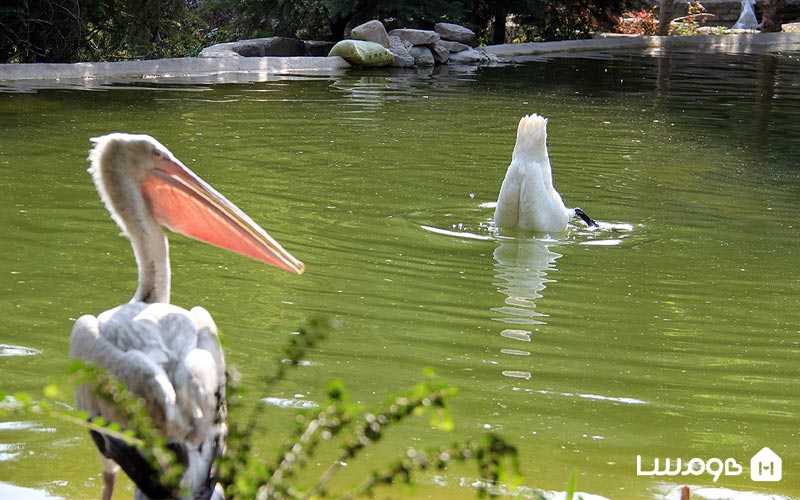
(453, 46)
(440, 52)
(455, 32)
(422, 55)
(472, 56)
(219, 50)
(402, 57)
(371, 31)
(416, 37)
(362, 53)
(277, 46)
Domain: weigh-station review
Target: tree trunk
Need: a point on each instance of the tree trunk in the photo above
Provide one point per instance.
(337, 26)
(771, 19)
(499, 26)
(665, 11)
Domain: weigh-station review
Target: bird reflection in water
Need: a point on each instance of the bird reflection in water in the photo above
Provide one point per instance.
(522, 266)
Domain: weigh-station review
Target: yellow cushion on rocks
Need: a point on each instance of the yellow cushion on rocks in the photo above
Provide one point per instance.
(362, 53)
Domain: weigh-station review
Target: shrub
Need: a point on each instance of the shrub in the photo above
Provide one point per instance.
(641, 22)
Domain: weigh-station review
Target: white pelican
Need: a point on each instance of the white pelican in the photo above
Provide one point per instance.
(169, 356)
(527, 197)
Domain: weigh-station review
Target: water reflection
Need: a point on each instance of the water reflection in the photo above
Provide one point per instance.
(765, 93)
(376, 88)
(19, 493)
(522, 265)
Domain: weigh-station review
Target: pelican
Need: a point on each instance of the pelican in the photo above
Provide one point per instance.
(527, 197)
(167, 355)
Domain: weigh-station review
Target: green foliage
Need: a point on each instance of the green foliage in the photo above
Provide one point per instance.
(135, 29)
(75, 30)
(688, 25)
(106, 30)
(139, 428)
(339, 423)
(566, 20)
(328, 19)
(46, 31)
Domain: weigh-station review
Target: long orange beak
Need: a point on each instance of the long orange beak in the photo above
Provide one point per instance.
(184, 203)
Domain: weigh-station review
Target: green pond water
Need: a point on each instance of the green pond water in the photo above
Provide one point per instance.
(672, 332)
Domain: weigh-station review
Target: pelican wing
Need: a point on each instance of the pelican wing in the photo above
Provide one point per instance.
(172, 359)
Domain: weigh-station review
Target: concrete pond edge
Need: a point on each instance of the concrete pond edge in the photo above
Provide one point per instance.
(240, 69)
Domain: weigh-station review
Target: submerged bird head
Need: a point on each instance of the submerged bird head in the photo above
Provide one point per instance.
(528, 200)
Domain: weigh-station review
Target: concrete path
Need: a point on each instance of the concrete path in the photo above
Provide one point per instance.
(247, 69)
(756, 43)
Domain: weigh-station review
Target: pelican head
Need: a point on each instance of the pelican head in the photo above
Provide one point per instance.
(144, 186)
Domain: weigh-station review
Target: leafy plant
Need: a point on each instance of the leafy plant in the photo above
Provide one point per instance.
(688, 24)
(640, 22)
(339, 423)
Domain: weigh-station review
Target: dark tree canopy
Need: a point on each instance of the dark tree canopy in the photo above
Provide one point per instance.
(551, 19)
(73, 30)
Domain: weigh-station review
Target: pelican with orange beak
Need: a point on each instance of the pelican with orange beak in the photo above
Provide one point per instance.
(165, 354)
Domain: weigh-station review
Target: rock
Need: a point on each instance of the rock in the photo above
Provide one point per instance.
(318, 48)
(416, 37)
(371, 31)
(277, 46)
(472, 56)
(402, 57)
(274, 46)
(453, 46)
(422, 55)
(440, 52)
(362, 53)
(219, 50)
(455, 32)
(395, 41)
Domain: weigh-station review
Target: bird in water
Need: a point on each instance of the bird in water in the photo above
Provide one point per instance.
(527, 197)
(166, 355)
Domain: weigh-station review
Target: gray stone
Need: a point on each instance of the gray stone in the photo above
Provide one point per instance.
(440, 52)
(453, 46)
(473, 56)
(455, 32)
(276, 46)
(371, 31)
(416, 37)
(402, 57)
(422, 55)
(395, 41)
(219, 50)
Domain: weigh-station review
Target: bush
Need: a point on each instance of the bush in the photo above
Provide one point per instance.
(347, 426)
(641, 22)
